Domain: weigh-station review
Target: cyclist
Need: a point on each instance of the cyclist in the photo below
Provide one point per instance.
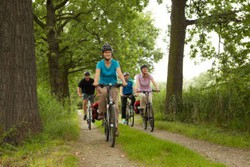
(106, 73)
(86, 89)
(143, 81)
(128, 91)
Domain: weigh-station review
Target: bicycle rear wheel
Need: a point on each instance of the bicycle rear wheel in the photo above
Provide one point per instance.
(112, 125)
(151, 119)
(131, 116)
(144, 118)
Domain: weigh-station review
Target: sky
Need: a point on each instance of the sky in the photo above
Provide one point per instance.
(162, 20)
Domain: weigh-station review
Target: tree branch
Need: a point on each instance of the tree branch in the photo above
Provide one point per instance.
(38, 21)
(80, 69)
(216, 19)
(61, 5)
(64, 49)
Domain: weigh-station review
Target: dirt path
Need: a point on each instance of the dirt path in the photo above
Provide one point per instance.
(232, 157)
(93, 151)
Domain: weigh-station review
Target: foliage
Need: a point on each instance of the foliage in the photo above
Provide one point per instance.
(50, 147)
(219, 100)
(82, 27)
(228, 19)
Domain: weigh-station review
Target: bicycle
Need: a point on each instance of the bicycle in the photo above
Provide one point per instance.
(130, 113)
(89, 113)
(110, 118)
(148, 115)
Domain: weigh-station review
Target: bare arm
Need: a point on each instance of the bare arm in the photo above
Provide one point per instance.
(154, 83)
(137, 85)
(121, 89)
(118, 70)
(79, 91)
(97, 77)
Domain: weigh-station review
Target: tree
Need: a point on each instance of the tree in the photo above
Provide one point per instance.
(74, 31)
(19, 115)
(222, 17)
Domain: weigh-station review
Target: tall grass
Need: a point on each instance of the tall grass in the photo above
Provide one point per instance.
(222, 106)
(225, 106)
(50, 147)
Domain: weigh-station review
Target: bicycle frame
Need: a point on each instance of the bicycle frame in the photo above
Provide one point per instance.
(148, 113)
(110, 121)
(129, 111)
(89, 113)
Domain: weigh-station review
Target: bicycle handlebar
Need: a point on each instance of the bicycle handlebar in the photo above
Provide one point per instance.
(144, 91)
(110, 85)
(128, 95)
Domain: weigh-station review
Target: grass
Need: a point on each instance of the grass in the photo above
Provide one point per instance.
(52, 146)
(49, 148)
(147, 150)
(207, 133)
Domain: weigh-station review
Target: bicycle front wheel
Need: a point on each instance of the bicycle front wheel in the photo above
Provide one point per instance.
(151, 119)
(106, 126)
(112, 125)
(89, 117)
(144, 118)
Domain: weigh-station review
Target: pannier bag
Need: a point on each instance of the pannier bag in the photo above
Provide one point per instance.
(94, 110)
(137, 106)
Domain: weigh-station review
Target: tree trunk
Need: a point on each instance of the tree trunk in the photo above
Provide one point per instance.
(175, 64)
(19, 114)
(65, 82)
(54, 54)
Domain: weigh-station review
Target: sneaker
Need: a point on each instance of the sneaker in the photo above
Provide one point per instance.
(85, 117)
(124, 121)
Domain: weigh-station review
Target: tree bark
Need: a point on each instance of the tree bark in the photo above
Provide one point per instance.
(55, 76)
(19, 114)
(58, 76)
(175, 63)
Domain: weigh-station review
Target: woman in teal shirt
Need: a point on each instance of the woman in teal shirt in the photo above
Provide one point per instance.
(106, 73)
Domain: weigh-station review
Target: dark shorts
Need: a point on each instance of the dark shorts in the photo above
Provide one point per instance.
(86, 96)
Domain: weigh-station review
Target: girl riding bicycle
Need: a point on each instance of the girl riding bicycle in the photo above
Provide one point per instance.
(143, 81)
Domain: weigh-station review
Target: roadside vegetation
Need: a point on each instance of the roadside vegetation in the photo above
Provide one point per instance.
(147, 150)
(50, 148)
(214, 108)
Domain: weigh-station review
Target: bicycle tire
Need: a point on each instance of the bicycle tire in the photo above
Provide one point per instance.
(106, 126)
(112, 125)
(144, 119)
(127, 115)
(131, 116)
(151, 121)
(89, 117)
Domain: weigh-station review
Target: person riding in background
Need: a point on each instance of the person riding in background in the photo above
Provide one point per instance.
(85, 90)
(143, 81)
(106, 73)
(128, 92)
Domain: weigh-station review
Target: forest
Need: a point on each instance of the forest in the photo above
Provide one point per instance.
(46, 46)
